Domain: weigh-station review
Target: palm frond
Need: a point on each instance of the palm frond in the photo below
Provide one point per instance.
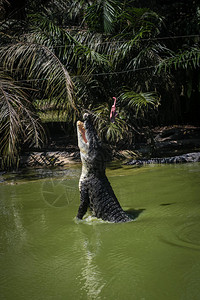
(109, 15)
(73, 49)
(184, 59)
(38, 63)
(139, 101)
(77, 8)
(101, 15)
(148, 56)
(136, 20)
(110, 132)
(2, 7)
(17, 121)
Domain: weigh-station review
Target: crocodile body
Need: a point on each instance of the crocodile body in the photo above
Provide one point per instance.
(189, 157)
(96, 192)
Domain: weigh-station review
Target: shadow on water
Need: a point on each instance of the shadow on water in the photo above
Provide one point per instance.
(134, 213)
(114, 165)
(167, 204)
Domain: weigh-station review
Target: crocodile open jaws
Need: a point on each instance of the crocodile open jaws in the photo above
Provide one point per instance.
(96, 192)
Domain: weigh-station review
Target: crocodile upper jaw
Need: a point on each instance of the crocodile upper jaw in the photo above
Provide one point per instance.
(82, 131)
(82, 138)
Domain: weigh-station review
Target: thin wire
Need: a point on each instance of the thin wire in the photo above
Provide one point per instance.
(95, 74)
(98, 74)
(124, 41)
(14, 69)
(114, 73)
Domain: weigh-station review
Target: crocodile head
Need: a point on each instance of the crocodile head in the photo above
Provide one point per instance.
(92, 154)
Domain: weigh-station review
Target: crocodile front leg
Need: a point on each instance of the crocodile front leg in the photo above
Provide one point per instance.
(84, 199)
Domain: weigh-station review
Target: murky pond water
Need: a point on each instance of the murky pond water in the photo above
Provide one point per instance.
(45, 254)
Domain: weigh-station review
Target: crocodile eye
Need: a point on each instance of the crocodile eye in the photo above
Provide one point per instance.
(85, 116)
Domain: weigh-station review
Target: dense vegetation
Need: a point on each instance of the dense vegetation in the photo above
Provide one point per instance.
(59, 58)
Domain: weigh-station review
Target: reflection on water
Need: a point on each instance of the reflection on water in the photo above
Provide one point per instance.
(46, 254)
(90, 275)
(39, 173)
(59, 192)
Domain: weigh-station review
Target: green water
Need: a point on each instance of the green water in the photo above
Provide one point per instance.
(45, 254)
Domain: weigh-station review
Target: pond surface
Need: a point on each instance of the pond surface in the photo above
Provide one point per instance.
(45, 254)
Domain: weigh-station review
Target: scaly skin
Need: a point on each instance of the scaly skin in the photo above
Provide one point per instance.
(96, 192)
(189, 157)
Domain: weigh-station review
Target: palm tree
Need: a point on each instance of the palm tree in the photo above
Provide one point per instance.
(29, 69)
(74, 56)
(19, 123)
(64, 66)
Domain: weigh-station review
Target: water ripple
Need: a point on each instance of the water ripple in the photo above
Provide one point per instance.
(186, 236)
(190, 234)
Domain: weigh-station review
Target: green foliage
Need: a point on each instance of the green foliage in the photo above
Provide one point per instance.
(72, 56)
(100, 16)
(189, 58)
(139, 21)
(131, 106)
(140, 102)
(110, 132)
(18, 121)
(36, 61)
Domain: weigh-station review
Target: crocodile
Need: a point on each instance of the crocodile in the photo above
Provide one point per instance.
(184, 158)
(96, 192)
